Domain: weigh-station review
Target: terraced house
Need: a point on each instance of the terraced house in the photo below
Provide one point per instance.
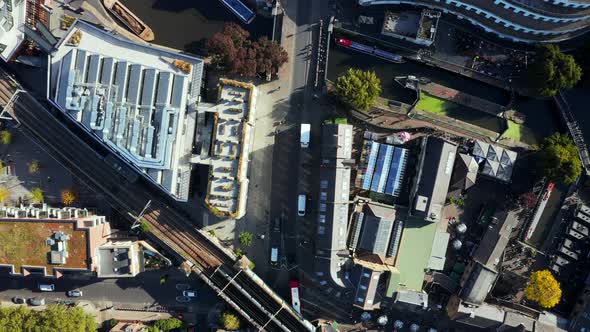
(529, 21)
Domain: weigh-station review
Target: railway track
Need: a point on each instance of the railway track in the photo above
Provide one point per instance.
(174, 230)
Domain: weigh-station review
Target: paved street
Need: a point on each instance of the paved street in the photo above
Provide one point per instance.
(142, 291)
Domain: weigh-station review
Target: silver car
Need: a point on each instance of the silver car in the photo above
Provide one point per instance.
(36, 301)
(74, 293)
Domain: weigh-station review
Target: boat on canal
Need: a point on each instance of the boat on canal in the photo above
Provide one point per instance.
(131, 21)
(371, 50)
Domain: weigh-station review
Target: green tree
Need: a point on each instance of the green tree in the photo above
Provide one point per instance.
(37, 195)
(34, 167)
(553, 71)
(4, 194)
(239, 252)
(54, 318)
(144, 227)
(168, 324)
(543, 289)
(246, 239)
(230, 321)
(5, 137)
(559, 159)
(358, 88)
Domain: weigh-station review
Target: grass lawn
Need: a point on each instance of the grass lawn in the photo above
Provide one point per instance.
(434, 104)
(520, 133)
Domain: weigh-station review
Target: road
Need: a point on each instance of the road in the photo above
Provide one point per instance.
(173, 229)
(138, 292)
(296, 170)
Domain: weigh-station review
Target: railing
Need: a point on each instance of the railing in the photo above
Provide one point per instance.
(574, 130)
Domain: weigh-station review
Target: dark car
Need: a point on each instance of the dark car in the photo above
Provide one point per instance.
(36, 301)
(18, 300)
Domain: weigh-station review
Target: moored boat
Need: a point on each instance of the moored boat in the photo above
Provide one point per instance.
(131, 21)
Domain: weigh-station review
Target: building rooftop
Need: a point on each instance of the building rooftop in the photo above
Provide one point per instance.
(385, 168)
(46, 240)
(464, 174)
(413, 256)
(336, 148)
(134, 97)
(433, 178)
(12, 20)
(366, 290)
(478, 284)
(490, 249)
(496, 161)
(233, 129)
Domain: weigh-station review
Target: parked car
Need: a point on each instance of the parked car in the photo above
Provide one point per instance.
(182, 299)
(19, 300)
(189, 293)
(74, 293)
(36, 301)
(46, 287)
(183, 287)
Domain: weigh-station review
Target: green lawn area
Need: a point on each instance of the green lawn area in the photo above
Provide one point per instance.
(520, 133)
(413, 254)
(433, 104)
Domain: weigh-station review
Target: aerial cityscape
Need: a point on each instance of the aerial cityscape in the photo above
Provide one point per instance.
(294, 165)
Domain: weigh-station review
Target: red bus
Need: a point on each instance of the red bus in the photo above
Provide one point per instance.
(294, 285)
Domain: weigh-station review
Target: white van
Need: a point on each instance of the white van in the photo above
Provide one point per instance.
(305, 132)
(46, 287)
(274, 255)
(301, 204)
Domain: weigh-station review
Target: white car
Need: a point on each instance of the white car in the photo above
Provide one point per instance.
(74, 293)
(189, 293)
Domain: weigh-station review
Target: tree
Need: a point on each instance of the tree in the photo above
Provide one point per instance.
(527, 200)
(144, 227)
(54, 318)
(230, 321)
(543, 289)
(168, 324)
(246, 239)
(358, 88)
(553, 71)
(34, 167)
(4, 194)
(233, 49)
(559, 159)
(37, 195)
(68, 197)
(5, 137)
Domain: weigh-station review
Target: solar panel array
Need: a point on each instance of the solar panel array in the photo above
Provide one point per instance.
(385, 168)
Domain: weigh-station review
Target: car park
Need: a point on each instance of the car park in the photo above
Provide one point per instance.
(18, 300)
(36, 301)
(74, 293)
(189, 293)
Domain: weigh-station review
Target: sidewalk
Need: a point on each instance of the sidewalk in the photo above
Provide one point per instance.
(271, 108)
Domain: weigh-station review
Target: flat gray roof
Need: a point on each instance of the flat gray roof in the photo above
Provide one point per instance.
(436, 165)
(336, 147)
(132, 97)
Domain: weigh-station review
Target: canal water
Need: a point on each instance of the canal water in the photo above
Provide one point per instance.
(541, 116)
(187, 24)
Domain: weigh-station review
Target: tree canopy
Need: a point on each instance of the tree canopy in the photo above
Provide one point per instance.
(68, 197)
(553, 71)
(55, 318)
(559, 159)
(168, 324)
(246, 239)
(543, 289)
(233, 49)
(230, 321)
(358, 88)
